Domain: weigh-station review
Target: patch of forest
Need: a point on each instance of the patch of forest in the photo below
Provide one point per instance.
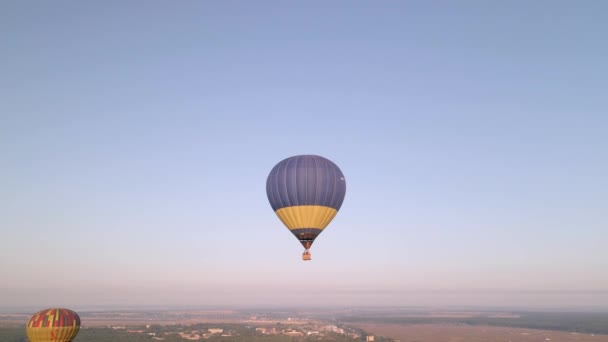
(594, 323)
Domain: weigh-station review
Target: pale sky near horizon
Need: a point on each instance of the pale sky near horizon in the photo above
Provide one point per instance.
(136, 138)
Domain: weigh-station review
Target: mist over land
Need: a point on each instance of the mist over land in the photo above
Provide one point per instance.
(428, 324)
(153, 298)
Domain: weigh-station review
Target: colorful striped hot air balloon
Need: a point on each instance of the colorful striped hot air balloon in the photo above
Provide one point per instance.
(56, 325)
(306, 193)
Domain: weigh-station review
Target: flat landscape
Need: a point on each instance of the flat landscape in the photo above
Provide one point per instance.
(385, 324)
(458, 333)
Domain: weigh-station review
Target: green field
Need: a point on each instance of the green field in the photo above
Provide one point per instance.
(240, 333)
(592, 323)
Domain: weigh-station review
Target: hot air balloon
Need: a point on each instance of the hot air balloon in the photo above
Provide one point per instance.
(306, 193)
(56, 325)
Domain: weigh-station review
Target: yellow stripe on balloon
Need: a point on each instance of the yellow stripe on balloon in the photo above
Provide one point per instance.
(57, 334)
(34, 319)
(306, 216)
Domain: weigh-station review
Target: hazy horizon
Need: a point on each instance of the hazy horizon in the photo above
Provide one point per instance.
(136, 138)
(493, 300)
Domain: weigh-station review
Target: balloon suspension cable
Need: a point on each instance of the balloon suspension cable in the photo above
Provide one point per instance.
(306, 255)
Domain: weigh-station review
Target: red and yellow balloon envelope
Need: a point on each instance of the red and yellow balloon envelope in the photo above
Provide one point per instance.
(56, 325)
(306, 193)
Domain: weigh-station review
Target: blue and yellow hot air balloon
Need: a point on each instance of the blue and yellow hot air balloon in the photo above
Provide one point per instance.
(306, 193)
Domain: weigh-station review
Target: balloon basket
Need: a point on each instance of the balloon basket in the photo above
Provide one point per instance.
(306, 255)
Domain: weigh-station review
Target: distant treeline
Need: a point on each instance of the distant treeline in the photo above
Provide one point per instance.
(242, 334)
(595, 323)
(12, 334)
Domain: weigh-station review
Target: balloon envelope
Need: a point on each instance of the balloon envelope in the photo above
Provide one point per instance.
(306, 193)
(57, 325)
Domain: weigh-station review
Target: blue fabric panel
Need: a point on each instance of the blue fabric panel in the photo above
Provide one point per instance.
(305, 180)
(291, 180)
(323, 188)
(281, 185)
(306, 234)
(300, 179)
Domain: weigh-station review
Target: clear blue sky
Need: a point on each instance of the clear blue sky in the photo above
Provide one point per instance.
(136, 138)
